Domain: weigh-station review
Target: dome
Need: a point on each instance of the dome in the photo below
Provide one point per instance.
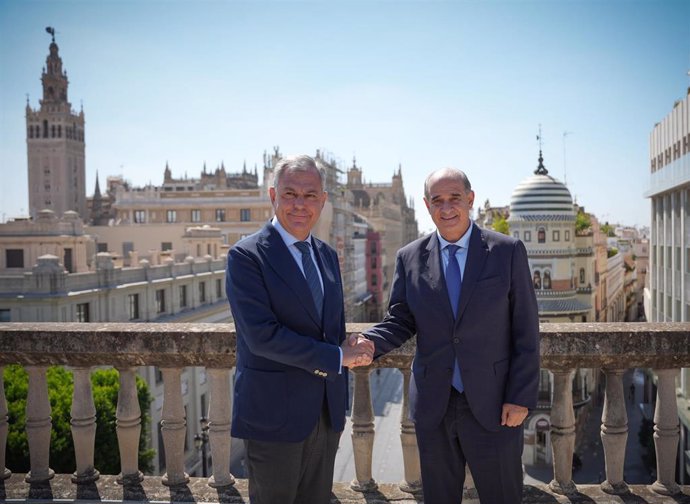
(541, 196)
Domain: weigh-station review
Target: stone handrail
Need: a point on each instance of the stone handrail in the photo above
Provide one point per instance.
(613, 347)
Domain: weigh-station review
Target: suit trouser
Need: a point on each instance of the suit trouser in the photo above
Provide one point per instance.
(494, 458)
(293, 473)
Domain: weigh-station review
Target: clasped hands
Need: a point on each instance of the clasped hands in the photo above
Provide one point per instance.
(357, 351)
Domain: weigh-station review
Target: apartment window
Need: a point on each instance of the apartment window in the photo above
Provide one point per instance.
(373, 262)
(183, 296)
(374, 280)
(133, 306)
(373, 247)
(536, 280)
(669, 251)
(202, 292)
(541, 235)
(687, 262)
(219, 289)
(556, 235)
(582, 276)
(166, 246)
(14, 258)
(516, 235)
(83, 312)
(220, 215)
(160, 301)
(528, 236)
(171, 216)
(567, 235)
(196, 215)
(547, 280)
(139, 216)
(245, 214)
(5, 315)
(101, 247)
(678, 258)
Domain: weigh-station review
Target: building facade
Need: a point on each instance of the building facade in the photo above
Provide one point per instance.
(669, 263)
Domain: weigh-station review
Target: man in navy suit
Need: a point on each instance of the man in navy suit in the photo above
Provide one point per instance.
(286, 296)
(467, 294)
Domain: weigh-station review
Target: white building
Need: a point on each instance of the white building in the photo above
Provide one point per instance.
(669, 263)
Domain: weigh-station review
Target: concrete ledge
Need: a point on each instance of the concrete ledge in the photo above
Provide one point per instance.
(106, 489)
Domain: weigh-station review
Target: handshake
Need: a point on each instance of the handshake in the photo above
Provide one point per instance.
(357, 351)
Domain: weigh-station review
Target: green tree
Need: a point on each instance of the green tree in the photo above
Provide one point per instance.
(500, 224)
(607, 229)
(582, 222)
(105, 385)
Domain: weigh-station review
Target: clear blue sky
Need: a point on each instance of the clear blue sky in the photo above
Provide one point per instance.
(423, 84)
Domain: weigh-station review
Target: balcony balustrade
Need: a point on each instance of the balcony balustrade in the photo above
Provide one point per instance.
(612, 347)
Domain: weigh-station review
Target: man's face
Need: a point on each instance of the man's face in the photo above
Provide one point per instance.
(449, 205)
(297, 201)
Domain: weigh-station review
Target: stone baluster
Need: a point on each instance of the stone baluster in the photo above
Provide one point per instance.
(4, 471)
(38, 425)
(666, 432)
(219, 414)
(563, 432)
(83, 426)
(173, 428)
(614, 432)
(408, 439)
(128, 427)
(362, 431)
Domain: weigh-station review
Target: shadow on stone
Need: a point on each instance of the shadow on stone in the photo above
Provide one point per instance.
(229, 495)
(133, 491)
(41, 490)
(536, 495)
(88, 491)
(681, 498)
(3, 493)
(181, 493)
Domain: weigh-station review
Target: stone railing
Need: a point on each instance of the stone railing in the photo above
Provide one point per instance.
(564, 347)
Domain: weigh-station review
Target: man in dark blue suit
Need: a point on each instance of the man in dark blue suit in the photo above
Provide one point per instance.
(467, 294)
(286, 296)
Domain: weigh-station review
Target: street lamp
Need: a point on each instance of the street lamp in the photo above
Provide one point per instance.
(200, 442)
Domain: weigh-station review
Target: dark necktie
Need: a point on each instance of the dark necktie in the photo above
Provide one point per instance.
(454, 284)
(311, 275)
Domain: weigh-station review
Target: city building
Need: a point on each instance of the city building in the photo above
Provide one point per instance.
(669, 263)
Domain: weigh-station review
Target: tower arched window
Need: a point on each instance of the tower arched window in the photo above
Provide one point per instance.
(582, 276)
(31, 131)
(45, 128)
(59, 130)
(536, 279)
(547, 279)
(52, 131)
(541, 235)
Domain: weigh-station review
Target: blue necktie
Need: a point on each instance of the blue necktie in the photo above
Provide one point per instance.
(312, 276)
(453, 284)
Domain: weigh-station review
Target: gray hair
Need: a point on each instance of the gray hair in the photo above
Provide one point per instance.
(451, 173)
(299, 162)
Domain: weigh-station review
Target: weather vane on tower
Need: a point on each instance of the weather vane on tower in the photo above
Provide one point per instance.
(51, 30)
(541, 169)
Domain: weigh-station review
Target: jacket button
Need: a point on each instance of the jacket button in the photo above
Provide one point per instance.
(456, 340)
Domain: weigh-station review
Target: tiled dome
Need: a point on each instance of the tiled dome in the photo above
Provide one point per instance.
(541, 195)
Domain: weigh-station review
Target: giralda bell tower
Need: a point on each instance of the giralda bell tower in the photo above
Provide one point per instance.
(55, 144)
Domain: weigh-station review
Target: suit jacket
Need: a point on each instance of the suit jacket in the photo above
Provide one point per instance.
(287, 359)
(495, 337)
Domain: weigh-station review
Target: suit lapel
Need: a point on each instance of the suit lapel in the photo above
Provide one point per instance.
(283, 263)
(476, 256)
(433, 273)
